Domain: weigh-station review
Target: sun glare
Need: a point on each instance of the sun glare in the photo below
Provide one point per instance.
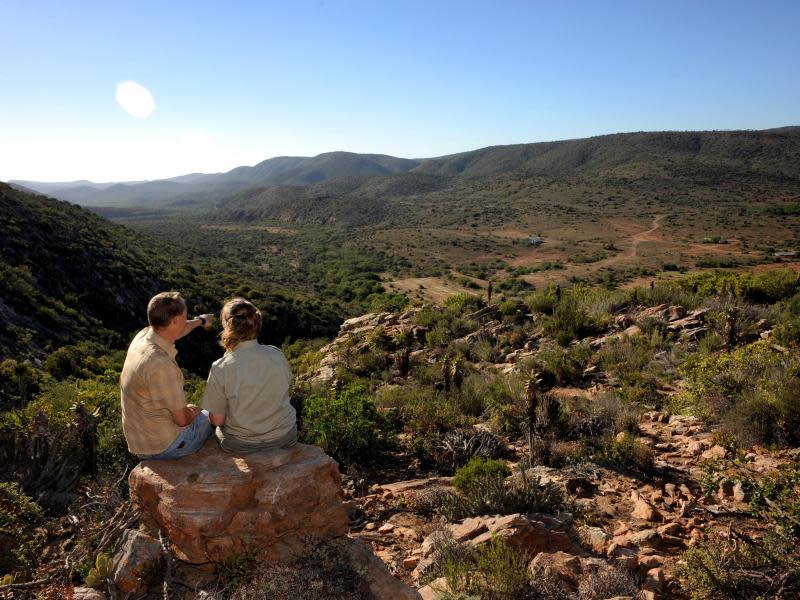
(135, 99)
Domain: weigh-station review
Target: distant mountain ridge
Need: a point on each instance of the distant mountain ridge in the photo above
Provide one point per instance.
(198, 188)
(772, 153)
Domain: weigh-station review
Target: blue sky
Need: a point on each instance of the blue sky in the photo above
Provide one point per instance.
(240, 82)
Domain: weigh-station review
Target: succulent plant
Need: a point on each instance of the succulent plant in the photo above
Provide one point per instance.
(97, 576)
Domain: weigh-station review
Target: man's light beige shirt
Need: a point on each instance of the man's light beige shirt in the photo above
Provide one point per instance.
(152, 387)
(250, 386)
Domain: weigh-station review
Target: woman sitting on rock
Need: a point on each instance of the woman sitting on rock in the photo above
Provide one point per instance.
(247, 394)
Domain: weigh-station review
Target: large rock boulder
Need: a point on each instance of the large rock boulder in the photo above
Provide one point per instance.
(213, 504)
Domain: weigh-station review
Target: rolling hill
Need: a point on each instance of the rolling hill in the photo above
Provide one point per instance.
(705, 155)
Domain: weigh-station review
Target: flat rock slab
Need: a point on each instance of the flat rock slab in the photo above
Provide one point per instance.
(213, 504)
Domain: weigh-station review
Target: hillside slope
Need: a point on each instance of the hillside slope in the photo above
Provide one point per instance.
(67, 274)
(510, 180)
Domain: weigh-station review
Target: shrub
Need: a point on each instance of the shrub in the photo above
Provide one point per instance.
(425, 412)
(718, 569)
(609, 582)
(304, 355)
(20, 536)
(460, 446)
(493, 495)
(492, 571)
(605, 415)
(323, 571)
(754, 392)
(19, 381)
(542, 301)
(427, 501)
(50, 473)
(476, 470)
(626, 358)
(380, 340)
(345, 424)
(563, 366)
(787, 325)
(83, 361)
(627, 453)
(382, 302)
(776, 496)
(565, 453)
(569, 322)
(461, 303)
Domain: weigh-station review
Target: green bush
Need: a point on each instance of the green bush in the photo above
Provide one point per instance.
(542, 301)
(380, 340)
(492, 495)
(19, 382)
(83, 360)
(20, 535)
(766, 287)
(753, 391)
(787, 324)
(492, 571)
(563, 366)
(478, 469)
(456, 448)
(570, 322)
(322, 571)
(719, 569)
(304, 355)
(383, 302)
(461, 303)
(346, 424)
(626, 453)
(424, 412)
(776, 496)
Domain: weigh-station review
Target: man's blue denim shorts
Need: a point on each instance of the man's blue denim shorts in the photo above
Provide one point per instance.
(189, 440)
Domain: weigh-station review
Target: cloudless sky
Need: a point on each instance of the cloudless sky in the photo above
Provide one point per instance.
(236, 83)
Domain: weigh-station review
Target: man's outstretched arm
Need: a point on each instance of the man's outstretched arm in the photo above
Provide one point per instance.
(192, 324)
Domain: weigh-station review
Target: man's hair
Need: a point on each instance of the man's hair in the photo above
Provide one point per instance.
(241, 321)
(164, 307)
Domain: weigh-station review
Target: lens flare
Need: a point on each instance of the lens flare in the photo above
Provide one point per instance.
(135, 99)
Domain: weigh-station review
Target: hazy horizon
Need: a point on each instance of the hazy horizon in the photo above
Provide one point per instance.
(177, 175)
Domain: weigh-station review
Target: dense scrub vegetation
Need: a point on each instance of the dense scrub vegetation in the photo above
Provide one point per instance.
(412, 396)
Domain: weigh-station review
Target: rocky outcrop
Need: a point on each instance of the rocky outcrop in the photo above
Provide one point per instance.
(214, 504)
(381, 583)
(138, 556)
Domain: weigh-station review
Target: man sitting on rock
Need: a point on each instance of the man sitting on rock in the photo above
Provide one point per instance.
(156, 420)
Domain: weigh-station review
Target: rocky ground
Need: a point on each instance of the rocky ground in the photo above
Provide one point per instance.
(618, 519)
(632, 522)
(640, 522)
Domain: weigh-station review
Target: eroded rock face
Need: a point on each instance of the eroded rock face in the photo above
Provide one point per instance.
(214, 504)
(138, 556)
(381, 583)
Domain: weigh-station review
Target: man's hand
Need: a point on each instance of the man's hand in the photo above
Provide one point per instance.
(209, 319)
(193, 324)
